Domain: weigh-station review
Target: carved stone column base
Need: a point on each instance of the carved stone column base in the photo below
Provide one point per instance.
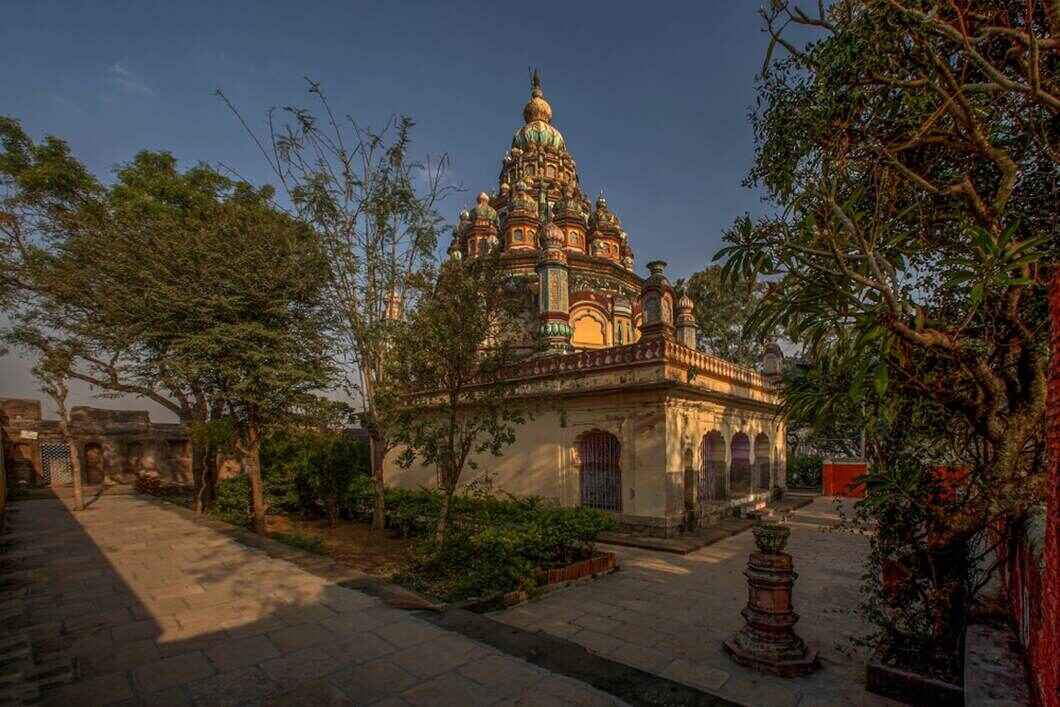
(768, 642)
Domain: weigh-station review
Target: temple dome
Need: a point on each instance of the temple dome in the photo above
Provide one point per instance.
(540, 133)
(483, 211)
(537, 114)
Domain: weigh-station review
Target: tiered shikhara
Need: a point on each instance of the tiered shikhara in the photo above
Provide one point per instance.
(572, 254)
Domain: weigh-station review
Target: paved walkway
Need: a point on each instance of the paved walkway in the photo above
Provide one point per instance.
(158, 609)
(668, 614)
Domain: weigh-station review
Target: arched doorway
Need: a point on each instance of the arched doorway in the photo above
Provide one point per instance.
(763, 462)
(740, 474)
(93, 464)
(712, 468)
(601, 475)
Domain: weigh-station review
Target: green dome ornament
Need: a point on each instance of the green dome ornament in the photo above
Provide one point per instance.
(556, 329)
(537, 114)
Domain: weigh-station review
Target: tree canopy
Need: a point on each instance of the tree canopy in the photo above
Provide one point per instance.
(910, 150)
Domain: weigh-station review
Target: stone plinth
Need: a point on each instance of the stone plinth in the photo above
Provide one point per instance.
(768, 642)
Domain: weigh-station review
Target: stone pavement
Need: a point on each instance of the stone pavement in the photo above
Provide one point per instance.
(155, 608)
(668, 614)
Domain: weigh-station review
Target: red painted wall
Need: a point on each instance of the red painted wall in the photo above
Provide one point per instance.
(1046, 659)
(1031, 561)
(837, 479)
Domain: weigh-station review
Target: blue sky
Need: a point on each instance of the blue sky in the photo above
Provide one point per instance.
(651, 98)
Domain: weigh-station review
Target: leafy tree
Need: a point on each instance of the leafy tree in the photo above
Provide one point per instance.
(63, 305)
(373, 211)
(448, 365)
(910, 147)
(184, 287)
(722, 312)
(252, 331)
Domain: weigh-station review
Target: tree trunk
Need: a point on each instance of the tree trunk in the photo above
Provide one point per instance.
(251, 457)
(75, 471)
(378, 451)
(198, 473)
(443, 517)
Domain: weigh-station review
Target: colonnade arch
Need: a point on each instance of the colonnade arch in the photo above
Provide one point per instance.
(740, 466)
(763, 462)
(712, 481)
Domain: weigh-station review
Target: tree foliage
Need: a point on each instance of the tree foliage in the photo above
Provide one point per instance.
(373, 211)
(910, 148)
(448, 366)
(187, 288)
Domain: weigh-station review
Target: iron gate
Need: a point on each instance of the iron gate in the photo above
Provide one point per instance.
(55, 463)
(601, 476)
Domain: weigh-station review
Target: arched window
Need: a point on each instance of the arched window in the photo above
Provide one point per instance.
(712, 468)
(601, 475)
(740, 473)
(518, 236)
(763, 462)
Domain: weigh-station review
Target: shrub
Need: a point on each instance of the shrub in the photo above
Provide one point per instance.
(495, 545)
(310, 472)
(804, 470)
(232, 504)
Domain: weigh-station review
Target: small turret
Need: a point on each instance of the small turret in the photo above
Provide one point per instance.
(687, 332)
(656, 303)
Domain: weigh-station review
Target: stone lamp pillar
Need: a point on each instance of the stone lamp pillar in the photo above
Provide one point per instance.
(553, 292)
(768, 642)
(657, 303)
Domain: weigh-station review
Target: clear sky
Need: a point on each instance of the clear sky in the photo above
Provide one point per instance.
(652, 98)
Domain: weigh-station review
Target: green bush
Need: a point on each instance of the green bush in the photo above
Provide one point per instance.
(804, 470)
(494, 545)
(232, 503)
(313, 473)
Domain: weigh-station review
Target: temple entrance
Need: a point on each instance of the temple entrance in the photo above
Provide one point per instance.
(93, 464)
(601, 475)
(763, 463)
(712, 468)
(741, 466)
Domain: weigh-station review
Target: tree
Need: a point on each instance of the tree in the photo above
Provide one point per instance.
(67, 296)
(449, 362)
(373, 211)
(50, 371)
(910, 148)
(234, 306)
(187, 288)
(722, 312)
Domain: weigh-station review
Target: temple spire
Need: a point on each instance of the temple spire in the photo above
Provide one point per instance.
(535, 83)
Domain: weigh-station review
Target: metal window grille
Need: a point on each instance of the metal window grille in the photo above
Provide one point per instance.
(711, 486)
(55, 463)
(601, 476)
(764, 468)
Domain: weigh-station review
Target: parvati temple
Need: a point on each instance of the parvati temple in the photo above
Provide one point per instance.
(628, 416)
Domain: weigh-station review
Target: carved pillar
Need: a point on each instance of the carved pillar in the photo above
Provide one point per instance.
(656, 303)
(554, 292)
(768, 642)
